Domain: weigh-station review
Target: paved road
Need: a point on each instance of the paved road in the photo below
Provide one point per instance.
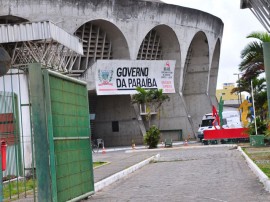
(197, 174)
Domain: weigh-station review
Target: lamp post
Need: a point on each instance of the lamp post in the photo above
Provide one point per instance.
(238, 77)
(252, 94)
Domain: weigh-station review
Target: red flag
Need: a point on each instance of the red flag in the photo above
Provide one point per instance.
(216, 116)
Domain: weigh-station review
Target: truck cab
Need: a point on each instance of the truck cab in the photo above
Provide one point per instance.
(207, 123)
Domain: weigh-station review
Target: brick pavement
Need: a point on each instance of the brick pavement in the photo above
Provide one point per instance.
(118, 161)
(198, 174)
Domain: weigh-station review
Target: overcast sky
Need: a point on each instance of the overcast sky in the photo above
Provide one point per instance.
(238, 23)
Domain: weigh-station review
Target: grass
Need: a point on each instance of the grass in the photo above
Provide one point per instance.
(14, 188)
(17, 187)
(261, 157)
(99, 163)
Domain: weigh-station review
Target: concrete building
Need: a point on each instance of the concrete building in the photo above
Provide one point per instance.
(133, 30)
(231, 101)
(226, 94)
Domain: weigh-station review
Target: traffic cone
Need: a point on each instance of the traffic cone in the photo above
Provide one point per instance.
(103, 150)
(186, 143)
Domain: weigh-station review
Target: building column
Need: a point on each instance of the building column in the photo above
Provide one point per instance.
(266, 53)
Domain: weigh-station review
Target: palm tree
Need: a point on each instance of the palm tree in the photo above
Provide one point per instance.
(149, 99)
(261, 101)
(259, 92)
(157, 97)
(252, 66)
(252, 55)
(243, 85)
(260, 97)
(141, 97)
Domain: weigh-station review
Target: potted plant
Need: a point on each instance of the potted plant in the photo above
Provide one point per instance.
(257, 138)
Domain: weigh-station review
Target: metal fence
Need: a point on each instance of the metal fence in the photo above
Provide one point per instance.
(15, 130)
(48, 156)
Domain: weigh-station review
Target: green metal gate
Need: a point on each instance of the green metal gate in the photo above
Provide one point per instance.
(60, 117)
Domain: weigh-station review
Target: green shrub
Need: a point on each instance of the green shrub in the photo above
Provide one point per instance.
(152, 137)
(262, 127)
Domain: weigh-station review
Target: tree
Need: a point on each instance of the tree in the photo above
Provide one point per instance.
(157, 98)
(252, 55)
(261, 101)
(141, 97)
(152, 99)
(252, 65)
(243, 85)
(260, 97)
(259, 92)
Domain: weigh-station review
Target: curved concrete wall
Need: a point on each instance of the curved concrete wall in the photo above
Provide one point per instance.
(191, 37)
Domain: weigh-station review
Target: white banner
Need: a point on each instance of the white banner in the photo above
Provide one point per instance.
(119, 77)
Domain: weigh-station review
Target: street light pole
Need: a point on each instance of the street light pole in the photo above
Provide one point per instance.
(238, 77)
(252, 94)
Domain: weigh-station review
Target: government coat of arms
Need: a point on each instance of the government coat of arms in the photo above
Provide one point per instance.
(105, 77)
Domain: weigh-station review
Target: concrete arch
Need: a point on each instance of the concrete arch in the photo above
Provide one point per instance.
(169, 43)
(107, 110)
(195, 83)
(196, 66)
(214, 73)
(12, 19)
(164, 41)
(117, 40)
(120, 49)
(119, 43)
(168, 40)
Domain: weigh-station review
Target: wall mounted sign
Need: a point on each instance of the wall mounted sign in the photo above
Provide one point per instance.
(121, 77)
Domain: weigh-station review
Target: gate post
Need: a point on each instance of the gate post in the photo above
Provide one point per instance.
(266, 54)
(41, 144)
(1, 178)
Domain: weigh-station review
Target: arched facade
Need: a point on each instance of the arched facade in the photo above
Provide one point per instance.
(214, 73)
(195, 84)
(138, 30)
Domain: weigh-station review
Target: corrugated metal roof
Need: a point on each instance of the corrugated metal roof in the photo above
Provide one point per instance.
(44, 30)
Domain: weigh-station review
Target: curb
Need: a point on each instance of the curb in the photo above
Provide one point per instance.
(140, 147)
(180, 148)
(115, 177)
(256, 170)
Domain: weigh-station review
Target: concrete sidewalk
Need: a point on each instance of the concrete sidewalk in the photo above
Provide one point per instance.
(118, 161)
(196, 173)
(124, 160)
(120, 158)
